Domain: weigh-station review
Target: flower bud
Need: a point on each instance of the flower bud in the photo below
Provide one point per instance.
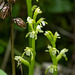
(37, 11)
(11, 1)
(1, 4)
(5, 11)
(20, 22)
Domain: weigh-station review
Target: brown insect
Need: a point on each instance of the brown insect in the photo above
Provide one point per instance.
(11, 1)
(1, 4)
(5, 11)
(20, 22)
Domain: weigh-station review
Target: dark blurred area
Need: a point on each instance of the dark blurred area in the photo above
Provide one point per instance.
(60, 15)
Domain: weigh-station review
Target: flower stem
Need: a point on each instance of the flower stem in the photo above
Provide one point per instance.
(55, 63)
(12, 51)
(31, 68)
(31, 41)
(12, 43)
(54, 59)
(29, 6)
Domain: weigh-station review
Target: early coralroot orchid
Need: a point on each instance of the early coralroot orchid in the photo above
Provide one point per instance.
(52, 51)
(36, 26)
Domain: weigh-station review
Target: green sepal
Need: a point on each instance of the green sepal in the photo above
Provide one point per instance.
(25, 62)
(62, 54)
(47, 70)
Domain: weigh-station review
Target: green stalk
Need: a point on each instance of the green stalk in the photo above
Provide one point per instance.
(31, 68)
(12, 51)
(12, 43)
(29, 6)
(54, 60)
(55, 63)
(31, 41)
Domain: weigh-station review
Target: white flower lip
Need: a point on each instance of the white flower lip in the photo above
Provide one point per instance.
(53, 52)
(38, 11)
(43, 23)
(32, 34)
(28, 52)
(38, 27)
(29, 20)
(51, 70)
(46, 33)
(58, 36)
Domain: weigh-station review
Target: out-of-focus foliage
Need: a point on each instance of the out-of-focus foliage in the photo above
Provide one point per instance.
(2, 72)
(56, 6)
(1, 49)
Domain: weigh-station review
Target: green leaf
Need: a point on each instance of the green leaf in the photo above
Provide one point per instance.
(1, 49)
(2, 72)
(56, 6)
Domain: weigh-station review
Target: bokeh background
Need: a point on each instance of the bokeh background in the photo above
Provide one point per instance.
(60, 15)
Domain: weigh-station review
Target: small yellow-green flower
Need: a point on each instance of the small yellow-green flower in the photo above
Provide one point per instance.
(28, 51)
(30, 20)
(37, 11)
(51, 69)
(38, 29)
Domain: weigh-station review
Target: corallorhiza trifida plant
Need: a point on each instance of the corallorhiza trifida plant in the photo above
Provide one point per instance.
(54, 52)
(35, 28)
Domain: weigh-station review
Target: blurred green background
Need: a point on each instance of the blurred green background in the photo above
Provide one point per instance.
(60, 15)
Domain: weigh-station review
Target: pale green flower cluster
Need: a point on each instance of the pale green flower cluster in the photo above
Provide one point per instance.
(53, 51)
(28, 51)
(62, 54)
(52, 38)
(36, 26)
